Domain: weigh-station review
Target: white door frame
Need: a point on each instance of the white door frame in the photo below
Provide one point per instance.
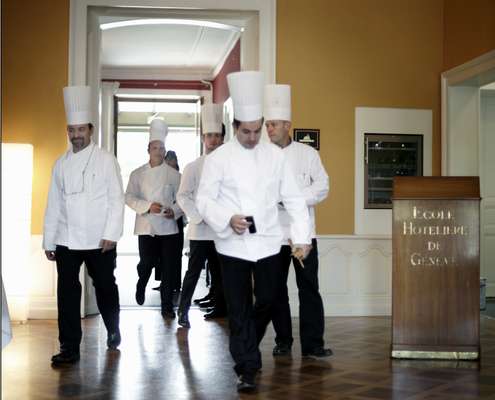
(80, 57)
(474, 73)
(78, 30)
(463, 141)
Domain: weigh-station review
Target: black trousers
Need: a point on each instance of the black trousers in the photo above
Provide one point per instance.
(311, 314)
(247, 323)
(180, 246)
(200, 252)
(100, 268)
(161, 249)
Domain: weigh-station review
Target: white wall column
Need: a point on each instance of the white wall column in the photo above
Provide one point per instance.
(108, 91)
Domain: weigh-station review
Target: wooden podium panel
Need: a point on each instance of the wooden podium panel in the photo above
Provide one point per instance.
(435, 276)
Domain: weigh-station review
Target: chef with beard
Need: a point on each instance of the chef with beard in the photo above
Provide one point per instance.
(83, 222)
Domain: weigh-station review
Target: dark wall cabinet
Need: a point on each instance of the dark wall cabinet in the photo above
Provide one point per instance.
(386, 156)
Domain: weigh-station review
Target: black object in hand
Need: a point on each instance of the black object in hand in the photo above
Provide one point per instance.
(252, 227)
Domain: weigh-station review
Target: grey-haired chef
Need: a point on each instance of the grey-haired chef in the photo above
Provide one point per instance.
(313, 182)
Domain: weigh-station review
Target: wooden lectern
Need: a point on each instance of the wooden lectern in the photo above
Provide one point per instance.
(435, 274)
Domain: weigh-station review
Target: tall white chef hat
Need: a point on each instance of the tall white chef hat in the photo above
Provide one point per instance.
(212, 118)
(277, 102)
(158, 130)
(246, 90)
(77, 101)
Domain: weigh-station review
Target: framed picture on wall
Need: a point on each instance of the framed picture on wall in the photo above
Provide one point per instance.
(310, 137)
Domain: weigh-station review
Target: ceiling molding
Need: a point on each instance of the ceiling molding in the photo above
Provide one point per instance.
(194, 47)
(160, 84)
(234, 12)
(233, 40)
(153, 73)
(168, 50)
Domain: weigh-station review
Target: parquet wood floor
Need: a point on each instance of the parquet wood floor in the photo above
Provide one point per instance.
(159, 361)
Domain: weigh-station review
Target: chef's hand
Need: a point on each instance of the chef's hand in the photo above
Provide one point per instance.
(168, 213)
(155, 208)
(50, 254)
(107, 245)
(239, 223)
(302, 249)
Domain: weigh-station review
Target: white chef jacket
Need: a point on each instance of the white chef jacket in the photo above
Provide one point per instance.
(251, 182)
(85, 200)
(186, 197)
(311, 178)
(149, 185)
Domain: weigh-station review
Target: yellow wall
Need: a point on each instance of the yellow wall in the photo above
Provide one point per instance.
(34, 71)
(338, 55)
(469, 30)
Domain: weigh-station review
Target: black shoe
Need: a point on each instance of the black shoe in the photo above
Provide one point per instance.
(281, 349)
(319, 352)
(183, 320)
(202, 299)
(157, 288)
(114, 339)
(66, 357)
(168, 314)
(215, 313)
(207, 304)
(246, 384)
(140, 289)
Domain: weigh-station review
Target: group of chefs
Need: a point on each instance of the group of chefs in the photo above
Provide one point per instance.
(250, 209)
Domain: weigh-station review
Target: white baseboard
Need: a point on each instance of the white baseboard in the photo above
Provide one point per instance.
(355, 275)
(43, 308)
(43, 287)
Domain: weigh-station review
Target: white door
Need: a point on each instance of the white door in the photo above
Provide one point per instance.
(487, 183)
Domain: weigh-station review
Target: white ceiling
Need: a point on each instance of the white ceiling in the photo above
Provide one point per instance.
(165, 51)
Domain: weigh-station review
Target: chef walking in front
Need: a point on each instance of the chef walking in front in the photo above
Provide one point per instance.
(151, 193)
(83, 222)
(241, 185)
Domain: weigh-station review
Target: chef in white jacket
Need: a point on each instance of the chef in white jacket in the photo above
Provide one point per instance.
(313, 182)
(83, 222)
(151, 193)
(241, 185)
(199, 234)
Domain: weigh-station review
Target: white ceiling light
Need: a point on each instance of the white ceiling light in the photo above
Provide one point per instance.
(148, 106)
(170, 21)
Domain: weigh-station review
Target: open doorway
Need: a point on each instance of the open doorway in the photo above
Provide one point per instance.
(159, 63)
(468, 143)
(133, 116)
